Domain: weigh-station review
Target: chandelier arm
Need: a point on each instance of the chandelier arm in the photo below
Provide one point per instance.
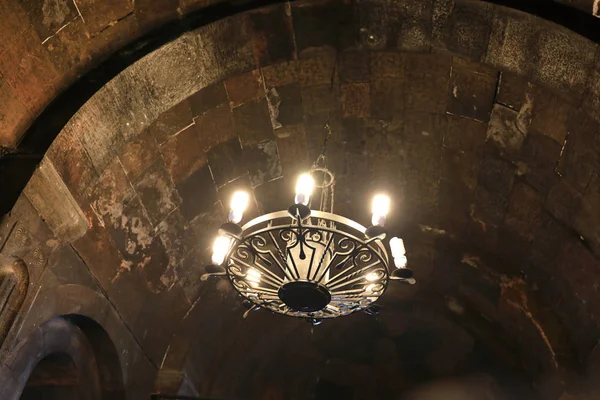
(208, 275)
(265, 270)
(322, 258)
(341, 281)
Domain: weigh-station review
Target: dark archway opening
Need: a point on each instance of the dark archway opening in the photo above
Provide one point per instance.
(54, 377)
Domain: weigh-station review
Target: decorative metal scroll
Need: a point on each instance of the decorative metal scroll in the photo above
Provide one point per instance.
(325, 248)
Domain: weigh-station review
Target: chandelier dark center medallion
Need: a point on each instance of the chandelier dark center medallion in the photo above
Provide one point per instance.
(308, 262)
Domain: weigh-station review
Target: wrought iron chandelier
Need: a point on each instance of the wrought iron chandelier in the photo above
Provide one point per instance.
(308, 262)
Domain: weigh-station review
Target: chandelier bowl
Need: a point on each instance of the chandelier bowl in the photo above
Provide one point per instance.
(318, 266)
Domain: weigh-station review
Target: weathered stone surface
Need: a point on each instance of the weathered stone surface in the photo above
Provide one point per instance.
(272, 195)
(262, 161)
(387, 98)
(462, 27)
(356, 100)
(100, 14)
(290, 106)
(244, 88)
(139, 154)
(497, 176)
(292, 149)
(14, 116)
(157, 192)
(524, 208)
(317, 25)
(26, 66)
(272, 35)
(427, 79)
(252, 122)
(53, 201)
(149, 12)
(550, 115)
(111, 194)
(557, 49)
(207, 98)
(171, 122)
(195, 202)
(51, 16)
(472, 90)
(183, 153)
(354, 66)
(512, 41)
(507, 130)
(587, 221)
(214, 127)
(540, 154)
(280, 74)
(512, 90)
(226, 162)
(318, 70)
(563, 201)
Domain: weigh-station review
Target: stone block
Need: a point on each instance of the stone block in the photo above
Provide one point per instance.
(198, 194)
(157, 192)
(150, 13)
(54, 202)
(513, 39)
(28, 69)
(139, 154)
(171, 122)
(290, 105)
(463, 28)
(356, 100)
(177, 238)
(100, 14)
(497, 176)
(472, 90)
(111, 194)
(273, 196)
(587, 221)
(557, 50)
(70, 50)
(280, 74)
(324, 24)
(580, 161)
(512, 90)
(272, 35)
(262, 161)
(207, 98)
(563, 202)
(387, 98)
(454, 205)
(49, 19)
(14, 117)
(524, 209)
(318, 70)
(539, 157)
(244, 88)
(214, 127)
(466, 136)
(489, 208)
(253, 122)
(427, 79)
(292, 149)
(387, 64)
(226, 162)
(183, 154)
(550, 115)
(548, 236)
(507, 131)
(354, 66)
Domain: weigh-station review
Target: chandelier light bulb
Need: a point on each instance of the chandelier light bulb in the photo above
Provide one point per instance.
(400, 261)
(220, 249)
(239, 203)
(397, 247)
(380, 209)
(372, 276)
(253, 276)
(304, 189)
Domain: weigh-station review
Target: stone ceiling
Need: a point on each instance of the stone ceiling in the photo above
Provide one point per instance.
(480, 122)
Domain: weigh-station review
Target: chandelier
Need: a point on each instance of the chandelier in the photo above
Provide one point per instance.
(306, 261)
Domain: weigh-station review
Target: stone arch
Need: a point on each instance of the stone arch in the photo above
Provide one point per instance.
(14, 281)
